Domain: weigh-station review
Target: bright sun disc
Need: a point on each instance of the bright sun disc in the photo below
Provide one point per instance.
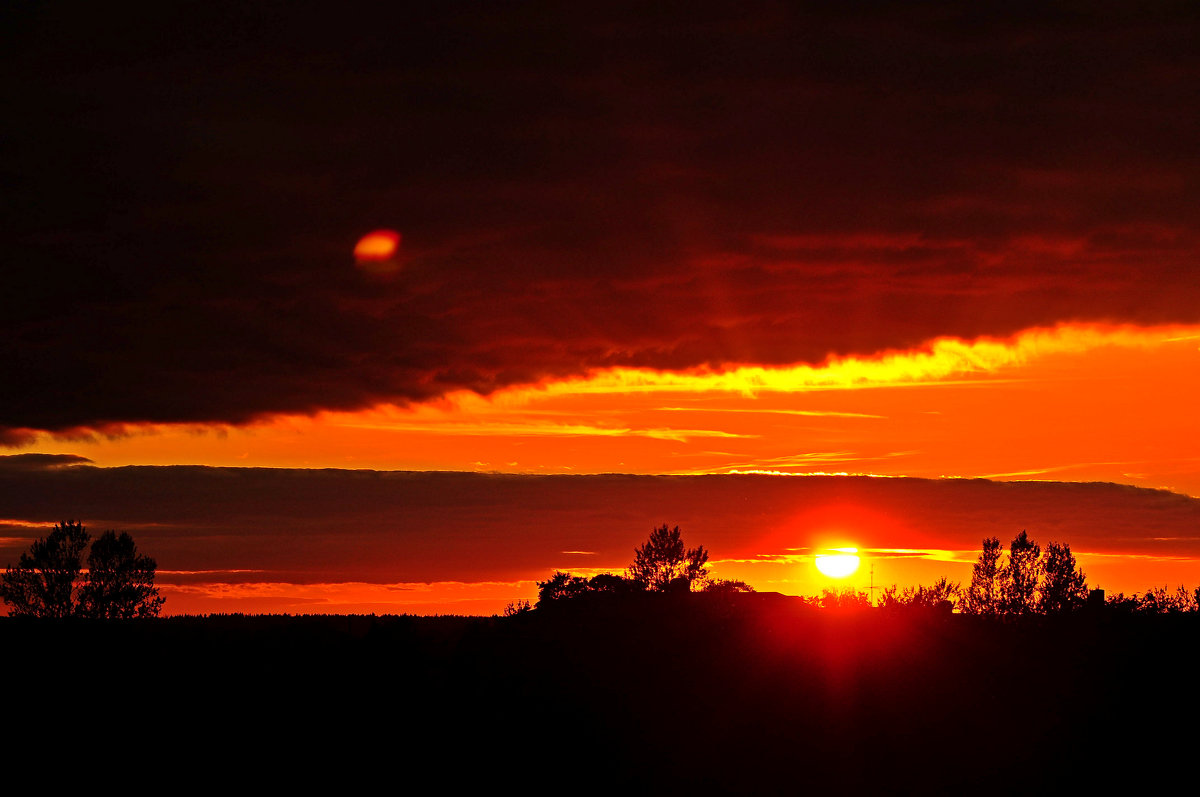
(840, 564)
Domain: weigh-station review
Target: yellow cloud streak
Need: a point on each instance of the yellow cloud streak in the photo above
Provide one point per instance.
(795, 556)
(538, 430)
(939, 360)
(754, 410)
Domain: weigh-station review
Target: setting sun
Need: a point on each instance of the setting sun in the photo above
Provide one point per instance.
(839, 564)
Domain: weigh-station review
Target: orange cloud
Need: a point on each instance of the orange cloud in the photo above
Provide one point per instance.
(1072, 402)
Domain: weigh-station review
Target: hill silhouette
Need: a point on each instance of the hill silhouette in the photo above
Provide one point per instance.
(715, 693)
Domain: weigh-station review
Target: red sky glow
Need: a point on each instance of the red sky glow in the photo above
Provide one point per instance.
(858, 268)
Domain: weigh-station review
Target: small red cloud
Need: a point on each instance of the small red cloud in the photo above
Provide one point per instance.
(378, 252)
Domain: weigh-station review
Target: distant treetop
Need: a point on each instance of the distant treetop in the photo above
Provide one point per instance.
(662, 563)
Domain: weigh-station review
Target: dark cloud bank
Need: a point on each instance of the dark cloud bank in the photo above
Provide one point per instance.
(335, 525)
(578, 186)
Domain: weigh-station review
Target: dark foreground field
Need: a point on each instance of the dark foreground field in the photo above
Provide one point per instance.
(667, 696)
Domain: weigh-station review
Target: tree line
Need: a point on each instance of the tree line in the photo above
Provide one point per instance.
(1028, 581)
(1157, 600)
(663, 564)
(1024, 580)
(49, 581)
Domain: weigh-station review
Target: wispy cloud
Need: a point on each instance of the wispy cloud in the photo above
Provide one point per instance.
(28, 524)
(516, 429)
(805, 554)
(797, 464)
(755, 410)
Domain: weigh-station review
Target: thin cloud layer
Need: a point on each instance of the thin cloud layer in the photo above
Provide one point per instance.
(209, 527)
(577, 188)
(39, 462)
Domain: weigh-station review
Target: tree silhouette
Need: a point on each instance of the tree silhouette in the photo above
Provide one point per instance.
(1063, 586)
(1020, 577)
(560, 587)
(983, 595)
(662, 562)
(43, 582)
(120, 581)
(565, 587)
(1027, 582)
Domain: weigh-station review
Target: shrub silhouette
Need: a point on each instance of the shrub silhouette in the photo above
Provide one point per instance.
(1156, 600)
(846, 598)
(515, 608)
(612, 584)
(942, 594)
(727, 586)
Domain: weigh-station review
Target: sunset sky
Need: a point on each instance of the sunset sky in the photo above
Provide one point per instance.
(747, 255)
